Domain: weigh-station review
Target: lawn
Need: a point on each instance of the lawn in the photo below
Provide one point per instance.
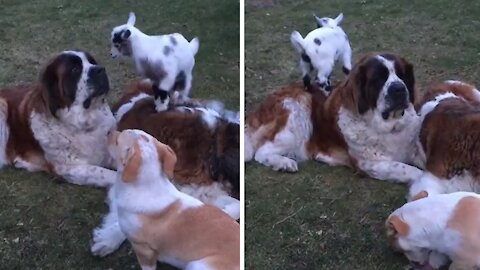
(328, 217)
(46, 223)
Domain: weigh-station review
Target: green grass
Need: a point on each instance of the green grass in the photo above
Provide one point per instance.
(328, 217)
(44, 222)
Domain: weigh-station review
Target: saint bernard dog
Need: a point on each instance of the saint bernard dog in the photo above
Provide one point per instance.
(61, 125)
(207, 146)
(368, 122)
(449, 140)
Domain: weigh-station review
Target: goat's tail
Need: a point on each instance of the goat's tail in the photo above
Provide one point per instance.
(297, 42)
(194, 45)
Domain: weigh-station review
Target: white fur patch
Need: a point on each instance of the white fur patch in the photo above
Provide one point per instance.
(434, 185)
(432, 104)
(383, 148)
(125, 108)
(209, 116)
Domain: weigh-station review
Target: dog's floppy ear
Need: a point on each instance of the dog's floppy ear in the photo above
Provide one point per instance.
(420, 195)
(297, 42)
(410, 81)
(131, 160)
(339, 18)
(397, 226)
(167, 158)
(54, 94)
(131, 18)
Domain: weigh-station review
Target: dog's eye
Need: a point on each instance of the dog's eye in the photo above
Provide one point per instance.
(75, 70)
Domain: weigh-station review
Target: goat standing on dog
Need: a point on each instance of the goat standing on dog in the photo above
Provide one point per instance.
(321, 48)
(167, 60)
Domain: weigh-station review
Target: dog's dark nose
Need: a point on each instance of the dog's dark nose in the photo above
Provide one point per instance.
(397, 90)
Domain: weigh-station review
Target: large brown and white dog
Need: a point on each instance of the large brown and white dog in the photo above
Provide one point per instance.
(207, 146)
(449, 140)
(61, 125)
(161, 222)
(367, 122)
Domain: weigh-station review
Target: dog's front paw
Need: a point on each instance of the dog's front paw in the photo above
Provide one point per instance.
(286, 165)
(106, 241)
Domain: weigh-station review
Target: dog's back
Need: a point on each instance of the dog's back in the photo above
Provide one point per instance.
(207, 146)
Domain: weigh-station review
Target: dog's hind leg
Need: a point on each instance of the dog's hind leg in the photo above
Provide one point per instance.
(271, 153)
(4, 132)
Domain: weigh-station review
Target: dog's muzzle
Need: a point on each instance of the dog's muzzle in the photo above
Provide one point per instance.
(396, 100)
(98, 81)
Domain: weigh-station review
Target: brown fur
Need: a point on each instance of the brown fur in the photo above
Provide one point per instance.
(464, 90)
(191, 234)
(466, 220)
(451, 132)
(203, 156)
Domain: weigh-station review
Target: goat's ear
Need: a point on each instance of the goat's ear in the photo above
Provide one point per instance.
(131, 18)
(297, 41)
(126, 34)
(320, 21)
(339, 18)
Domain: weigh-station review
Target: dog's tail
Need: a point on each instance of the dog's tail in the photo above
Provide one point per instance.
(297, 42)
(194, 45)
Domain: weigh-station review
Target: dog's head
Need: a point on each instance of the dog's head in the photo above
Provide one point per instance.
(397, 235)
(121, 35)
(329, 22)
(73, 78)
(137, 153)
(383, 83)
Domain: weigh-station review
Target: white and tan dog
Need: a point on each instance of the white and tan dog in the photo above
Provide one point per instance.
(161, 222)
(433, 230)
